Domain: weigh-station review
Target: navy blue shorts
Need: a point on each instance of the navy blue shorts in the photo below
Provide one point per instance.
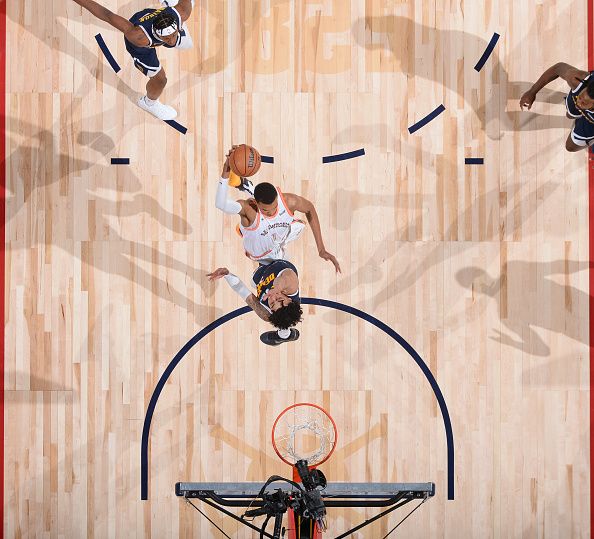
(145, 59)
(582, 133)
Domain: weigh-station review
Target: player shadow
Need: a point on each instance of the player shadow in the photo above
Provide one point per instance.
(371, 271)
(30, 164)
(350, 201)
(97, 141)
(126, 262)
(520, 318)
(62, 40)
(393, 34)
(33, 166)
(364, 135)
(37, 166)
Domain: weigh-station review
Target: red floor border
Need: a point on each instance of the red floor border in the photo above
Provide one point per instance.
(2, 239)
(591, 270)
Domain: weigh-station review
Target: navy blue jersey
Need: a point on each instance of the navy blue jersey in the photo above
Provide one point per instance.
(264, 278)
(144, 19)
(572, 108)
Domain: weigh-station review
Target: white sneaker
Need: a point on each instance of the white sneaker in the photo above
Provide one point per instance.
(157, 109)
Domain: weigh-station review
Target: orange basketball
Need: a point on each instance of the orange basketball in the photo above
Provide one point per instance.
(245, 160)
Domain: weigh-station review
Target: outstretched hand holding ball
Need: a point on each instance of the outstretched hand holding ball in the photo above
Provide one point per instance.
(244, 160)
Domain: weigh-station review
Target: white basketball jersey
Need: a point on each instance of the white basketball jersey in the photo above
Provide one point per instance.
(266, 236)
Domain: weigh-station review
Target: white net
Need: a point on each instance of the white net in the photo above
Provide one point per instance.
(304, 432)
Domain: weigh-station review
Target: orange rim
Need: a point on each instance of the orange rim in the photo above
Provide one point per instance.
(313, 406)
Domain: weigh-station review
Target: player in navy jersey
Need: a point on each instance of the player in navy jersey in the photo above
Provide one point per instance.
(276, 299)
(146, 30)
(579, 102)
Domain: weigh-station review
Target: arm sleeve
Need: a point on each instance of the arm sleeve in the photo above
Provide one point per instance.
(237, 285)
(221, 201)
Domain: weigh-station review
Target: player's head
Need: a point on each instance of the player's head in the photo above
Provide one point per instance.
(266, 198)
(585, 99)
(286, 313)
(165, 28)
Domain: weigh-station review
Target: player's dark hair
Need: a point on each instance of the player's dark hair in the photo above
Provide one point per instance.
(590, 88)
(265, 193)
(287, 316)
(164, 20)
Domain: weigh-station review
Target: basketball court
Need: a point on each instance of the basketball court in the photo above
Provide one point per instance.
(454, 349)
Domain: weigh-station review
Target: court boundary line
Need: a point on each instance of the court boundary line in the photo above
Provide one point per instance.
(144, 446)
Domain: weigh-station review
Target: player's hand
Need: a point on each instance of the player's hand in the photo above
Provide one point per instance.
(327, 256)
(217, 274)
(226, 164)
(274, 294)
(527, 99)
(226, 168)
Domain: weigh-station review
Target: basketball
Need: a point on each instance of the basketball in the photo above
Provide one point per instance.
(245, 161)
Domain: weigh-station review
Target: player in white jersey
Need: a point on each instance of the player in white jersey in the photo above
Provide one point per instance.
(267, 222)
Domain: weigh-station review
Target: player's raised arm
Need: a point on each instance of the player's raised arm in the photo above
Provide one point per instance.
(241, 290)
(118, 22)
(185, 9)
(257, 307)
(221, 201)
(568, 73)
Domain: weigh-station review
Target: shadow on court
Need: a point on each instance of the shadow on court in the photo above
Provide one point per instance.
(408, 273)
(551, 306)
(394, 37)
(39, 173)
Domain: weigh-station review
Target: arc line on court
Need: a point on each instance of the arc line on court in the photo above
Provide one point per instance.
(424, 121)
(488, 50)
(144, 446)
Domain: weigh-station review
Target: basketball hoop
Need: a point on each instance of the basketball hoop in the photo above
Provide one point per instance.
(304, 431)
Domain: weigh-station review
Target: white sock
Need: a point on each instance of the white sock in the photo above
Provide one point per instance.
(150, 102)
(284, 333)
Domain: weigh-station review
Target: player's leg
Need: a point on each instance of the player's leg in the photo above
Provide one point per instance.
(156, 85)
(147, 62)
(150, 102)
(581, 136)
